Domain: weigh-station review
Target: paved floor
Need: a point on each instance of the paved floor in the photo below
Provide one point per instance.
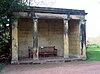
(54, 68)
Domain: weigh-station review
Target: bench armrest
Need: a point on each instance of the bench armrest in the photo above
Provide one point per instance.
(55, 50)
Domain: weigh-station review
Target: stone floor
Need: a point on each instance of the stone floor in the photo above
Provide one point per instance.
(47, 59)
(82, 67)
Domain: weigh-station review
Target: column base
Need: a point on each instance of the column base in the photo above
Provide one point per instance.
(66, 57)
(14, 62)
(83, 57)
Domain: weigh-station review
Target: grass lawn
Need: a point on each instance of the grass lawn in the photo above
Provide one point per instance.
(93, 52)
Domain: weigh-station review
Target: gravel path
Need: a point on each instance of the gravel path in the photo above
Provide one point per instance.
(54, 68)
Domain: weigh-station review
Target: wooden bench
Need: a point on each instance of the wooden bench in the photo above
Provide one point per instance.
(44, 51)
(47, 51)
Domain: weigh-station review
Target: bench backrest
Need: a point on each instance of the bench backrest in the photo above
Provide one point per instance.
(47, 49)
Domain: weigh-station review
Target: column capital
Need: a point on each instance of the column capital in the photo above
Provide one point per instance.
(67, 18)
(65, 22)
(34, 16)
(15, 22)
(15, 19)
(35, 19)
(83, 21)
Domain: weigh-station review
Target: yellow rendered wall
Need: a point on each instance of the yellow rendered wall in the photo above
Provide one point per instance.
(25, 37)
(74, 37)
(50, 32)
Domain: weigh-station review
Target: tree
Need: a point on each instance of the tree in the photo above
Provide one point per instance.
(7, 7)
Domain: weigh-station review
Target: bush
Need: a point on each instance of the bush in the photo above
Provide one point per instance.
(1, 67)
(93, 52)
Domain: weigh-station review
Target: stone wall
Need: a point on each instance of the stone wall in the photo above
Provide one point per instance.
(51, 34)
(25, 37)
(74, 37)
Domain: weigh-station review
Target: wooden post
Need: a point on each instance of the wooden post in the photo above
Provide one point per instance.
(83, 40)
(35, 39)
(15, 42)
(66, 41)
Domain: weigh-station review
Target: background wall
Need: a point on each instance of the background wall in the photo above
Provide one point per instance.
(25, 37)
(51, 34)
(74, 37)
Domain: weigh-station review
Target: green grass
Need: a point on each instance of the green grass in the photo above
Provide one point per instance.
(93, 52)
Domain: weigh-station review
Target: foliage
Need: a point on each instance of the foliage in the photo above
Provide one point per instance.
(1, 67)
(93, 52)
(7, 7)
(4, 42)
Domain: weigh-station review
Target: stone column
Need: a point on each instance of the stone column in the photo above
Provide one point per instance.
(14, 42)
(83, 39)
(35, 39)
(66, 41)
